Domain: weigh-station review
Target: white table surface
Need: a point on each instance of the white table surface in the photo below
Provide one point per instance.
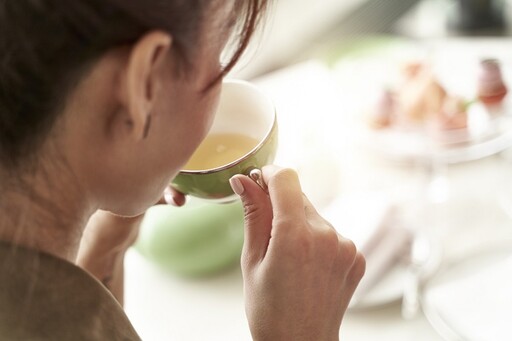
(310, 100)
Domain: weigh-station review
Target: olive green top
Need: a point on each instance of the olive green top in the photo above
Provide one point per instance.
(43, 297)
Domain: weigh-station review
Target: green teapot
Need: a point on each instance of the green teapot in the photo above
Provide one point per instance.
(199, 239)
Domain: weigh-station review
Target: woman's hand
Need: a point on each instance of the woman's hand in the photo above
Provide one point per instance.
(299, 273)
(106, 239)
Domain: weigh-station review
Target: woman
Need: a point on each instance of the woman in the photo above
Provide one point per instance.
(101, 103)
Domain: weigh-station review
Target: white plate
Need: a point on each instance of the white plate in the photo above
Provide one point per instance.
(463, 145)
(389, 290)
(471, 299)
(370, 220)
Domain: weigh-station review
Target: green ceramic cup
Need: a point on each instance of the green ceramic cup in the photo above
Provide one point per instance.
(243, 109)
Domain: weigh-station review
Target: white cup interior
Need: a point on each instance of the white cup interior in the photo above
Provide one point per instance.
(243, 109)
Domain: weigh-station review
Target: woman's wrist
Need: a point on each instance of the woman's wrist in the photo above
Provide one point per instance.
(108, 234)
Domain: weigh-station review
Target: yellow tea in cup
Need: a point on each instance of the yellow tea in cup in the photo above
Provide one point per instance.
(220, 149)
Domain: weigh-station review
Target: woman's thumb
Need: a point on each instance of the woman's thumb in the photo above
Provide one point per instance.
(258, 217)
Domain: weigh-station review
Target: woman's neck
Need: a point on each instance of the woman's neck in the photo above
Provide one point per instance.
(46, 211)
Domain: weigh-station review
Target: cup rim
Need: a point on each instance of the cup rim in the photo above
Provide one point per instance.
(253, 150)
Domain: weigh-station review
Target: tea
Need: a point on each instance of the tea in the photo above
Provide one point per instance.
(220, 149)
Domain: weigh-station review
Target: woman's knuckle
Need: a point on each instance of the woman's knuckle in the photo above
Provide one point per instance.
(359, 267)
(330, 226)
(286, 223)
(329, 241)
(348, 251)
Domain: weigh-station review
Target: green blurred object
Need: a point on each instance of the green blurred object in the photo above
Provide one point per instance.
(200, 239)
(353, 48)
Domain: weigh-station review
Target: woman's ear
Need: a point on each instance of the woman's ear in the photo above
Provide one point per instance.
(140, 79)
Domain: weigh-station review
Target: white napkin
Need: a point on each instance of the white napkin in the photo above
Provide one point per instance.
(370, 219)
(477, 304)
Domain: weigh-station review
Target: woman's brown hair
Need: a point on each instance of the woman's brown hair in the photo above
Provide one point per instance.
(47, 45)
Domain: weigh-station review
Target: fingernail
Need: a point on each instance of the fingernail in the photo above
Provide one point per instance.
(237, 186)
(169, 198)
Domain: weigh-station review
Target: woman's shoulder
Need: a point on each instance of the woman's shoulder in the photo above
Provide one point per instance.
(44, 297)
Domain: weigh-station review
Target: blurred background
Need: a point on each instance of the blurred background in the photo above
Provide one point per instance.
(396, 115)
(299, 30)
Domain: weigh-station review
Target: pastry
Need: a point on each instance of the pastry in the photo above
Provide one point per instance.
(383, 111)
(491, 87)
(453, 114)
